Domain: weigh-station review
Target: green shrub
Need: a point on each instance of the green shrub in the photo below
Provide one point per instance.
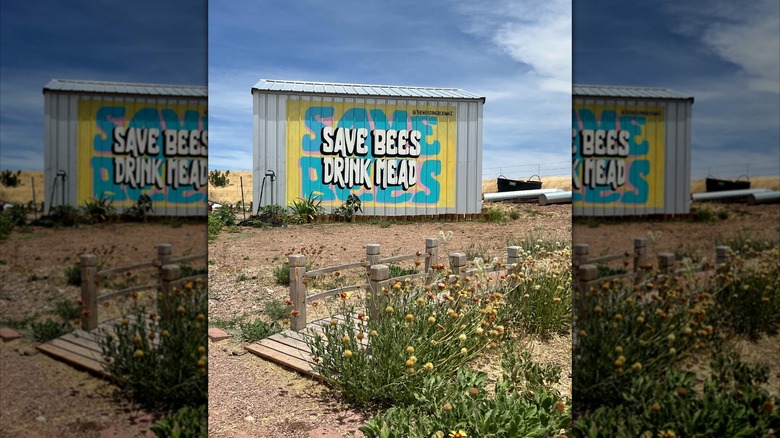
(398, 271)
(138, 211)
(418, 335)
(445, 407)
(214, 227)
(17, 215)
(67, 310)
(276, 310)
(10, 179)
(6, 226)
(225, 215)
(73, 274)
(161, 361)
(514, 215)
(349, 208)
(307, 209)
(99, 209)
(218, 178)
(257, 330)
(282, 274)
(272, 215)
(496, 215)
(61, 215)
(186, 422)
(50, 329)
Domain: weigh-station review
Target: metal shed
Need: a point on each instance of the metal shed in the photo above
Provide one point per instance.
(631, 151)
(122, 140)
(404, 151)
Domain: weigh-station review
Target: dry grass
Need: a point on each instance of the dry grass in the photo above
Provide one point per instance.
(757, 182)
(23, 193)
(232, 193)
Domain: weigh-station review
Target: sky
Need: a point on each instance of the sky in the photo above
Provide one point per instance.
(725, 54)
(161, 42)
(515, 53)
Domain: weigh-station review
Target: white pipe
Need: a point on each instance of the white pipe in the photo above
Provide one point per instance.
(555, 198)
(726, 194)
(764, 198)
(503, 196)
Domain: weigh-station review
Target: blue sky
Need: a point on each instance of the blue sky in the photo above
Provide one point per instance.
(515, 53)
(150, 42)
(725, 54)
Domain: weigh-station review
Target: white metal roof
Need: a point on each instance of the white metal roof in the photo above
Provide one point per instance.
(75, 86)
(627, 92)
(283, 86)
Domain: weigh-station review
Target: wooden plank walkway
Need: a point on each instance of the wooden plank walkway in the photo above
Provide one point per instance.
(80, 349)
(289, 349)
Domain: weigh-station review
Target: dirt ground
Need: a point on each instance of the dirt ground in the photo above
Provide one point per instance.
(43, 397)
(251, 397)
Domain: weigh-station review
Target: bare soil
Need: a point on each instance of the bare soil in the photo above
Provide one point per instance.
(41, 396)
(251, 397)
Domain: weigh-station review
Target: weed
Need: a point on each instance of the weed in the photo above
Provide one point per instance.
(282, 274)
(73, 274)
(138, 211)
(350, 207)
(257, 330)
(67, 310)
(50, 329)
(276, 310)
(225, 324)
(307, 209)
(479, 250)
(98, 209)
(495, 215)
(242, 277)
(514, 215)
(398, 271)
(186, 422)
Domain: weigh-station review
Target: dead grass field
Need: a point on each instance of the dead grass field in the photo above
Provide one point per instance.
(23, 193)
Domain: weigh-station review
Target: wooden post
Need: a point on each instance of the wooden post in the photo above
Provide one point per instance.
(431, 257)
(666, 262)
(586, 276)
(164, 254)
(89, 292)
(170, 273)
(581, 254)
(297, 292)
(721, 256)
(372, 256)
(458, 262)
(378, 279)
(640, 252)
(512, 255)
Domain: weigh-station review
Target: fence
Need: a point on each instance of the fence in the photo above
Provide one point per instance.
(377, 272)
(587, 271)
(168, 277)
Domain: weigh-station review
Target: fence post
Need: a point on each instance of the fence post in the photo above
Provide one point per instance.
(431, 257)
(640, 252)
(666, 262)
(512, 255)
(89, 291)
(721, 256)
(164, 254)
(586, 275)
(378, 278)
(458, 262)
(297, 292)
(372, 256)
(580, 254)
(170, 273)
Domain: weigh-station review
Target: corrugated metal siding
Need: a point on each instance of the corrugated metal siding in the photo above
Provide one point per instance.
(125, 88)
(61, 114)
(677, 158)
(270, 149)
(289, 87)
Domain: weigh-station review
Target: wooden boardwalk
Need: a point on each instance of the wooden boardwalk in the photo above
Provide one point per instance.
(80, 349)
(289, 349)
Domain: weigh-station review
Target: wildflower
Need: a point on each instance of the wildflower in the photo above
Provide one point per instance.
(637, 366)
(180, 309)
(464, 350)
(640, 319)
(409, 363)
(288, 301)
(347, 354)
(343, 296)
(201, 362)
(373, 333)
(672, 350)
(458, 434)
(431, 320)
(409, 317)
(473, 391)
(201, 317)
(667, 434)
(139, 354)
(389, 310)
(409, 350)
(619, 317)
(492, 345)
(462, 337)
(201, 350)
(428, 366)
(656, 407)
(480, 330)
(619, 361)
(345, 339)
(294, 313)
(136, 339)
(769, 406)
(681, 391)
(582, 333)
(165, 333)
(360, 336)
(670, 337)
(619, 349)
(560, 406)
(151, 335)
(556, 300)
(447, 407)
(125, 321)
(334, 322)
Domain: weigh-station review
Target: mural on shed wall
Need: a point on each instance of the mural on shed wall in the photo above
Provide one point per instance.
(387, 155)
(134, 148)
(618, 156)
